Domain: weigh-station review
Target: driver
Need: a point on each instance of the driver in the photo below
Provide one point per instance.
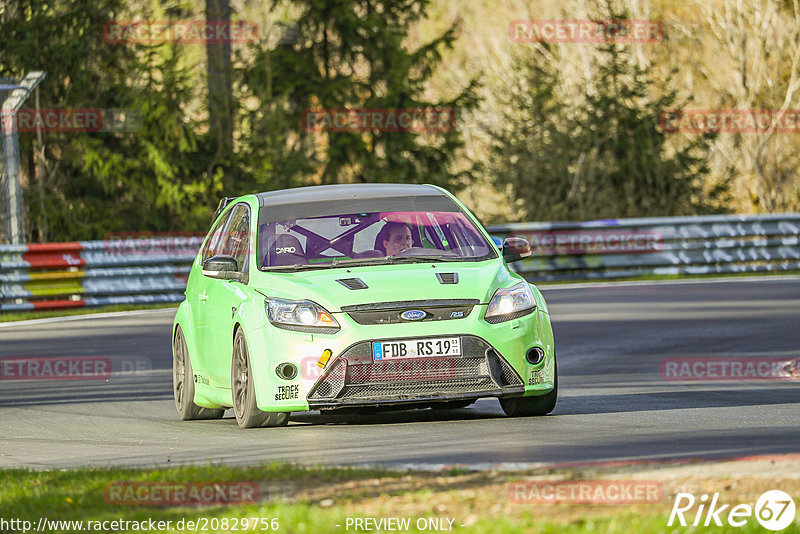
(398, 238)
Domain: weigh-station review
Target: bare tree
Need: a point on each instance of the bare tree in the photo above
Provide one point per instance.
(756, 45)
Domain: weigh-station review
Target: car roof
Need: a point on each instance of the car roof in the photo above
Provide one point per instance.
(317, 193)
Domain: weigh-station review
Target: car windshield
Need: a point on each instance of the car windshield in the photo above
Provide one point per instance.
(370, 238)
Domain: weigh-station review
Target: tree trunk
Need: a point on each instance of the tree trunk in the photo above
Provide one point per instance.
(220, 91)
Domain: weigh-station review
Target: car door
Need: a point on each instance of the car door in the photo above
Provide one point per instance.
(198, 291)
(225, 296)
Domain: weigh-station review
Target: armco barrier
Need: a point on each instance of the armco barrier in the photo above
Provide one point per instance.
(94, 273)
(620, 248)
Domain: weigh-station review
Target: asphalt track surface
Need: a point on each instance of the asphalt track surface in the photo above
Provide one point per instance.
(614, 403)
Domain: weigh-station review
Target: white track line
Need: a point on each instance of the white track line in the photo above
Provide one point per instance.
(85, 316)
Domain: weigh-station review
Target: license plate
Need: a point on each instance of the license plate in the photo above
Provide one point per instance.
(416, 348)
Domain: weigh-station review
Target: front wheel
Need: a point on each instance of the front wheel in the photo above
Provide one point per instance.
(539, 405)
(183, 383)
(244, 396)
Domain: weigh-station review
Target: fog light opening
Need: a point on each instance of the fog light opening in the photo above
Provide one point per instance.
(534, 355)
(287, 371)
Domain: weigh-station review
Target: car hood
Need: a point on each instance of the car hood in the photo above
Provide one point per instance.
(387, 283)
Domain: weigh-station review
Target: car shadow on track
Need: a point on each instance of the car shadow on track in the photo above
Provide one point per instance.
(674, 400)
(395, 417)
(572, 405)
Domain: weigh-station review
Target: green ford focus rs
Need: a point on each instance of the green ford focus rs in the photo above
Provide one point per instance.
(357, 298)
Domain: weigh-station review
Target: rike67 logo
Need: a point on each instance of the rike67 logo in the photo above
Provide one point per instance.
(774, 510)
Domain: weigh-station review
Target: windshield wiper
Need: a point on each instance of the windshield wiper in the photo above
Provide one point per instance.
(359, 261)
(396, 259)
(295, 267)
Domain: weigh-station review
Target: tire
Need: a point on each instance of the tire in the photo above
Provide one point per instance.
(243, 391)
(527, 406)
(183, 389)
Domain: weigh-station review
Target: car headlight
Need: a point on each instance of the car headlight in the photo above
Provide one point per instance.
(510, 303)
(300, 315)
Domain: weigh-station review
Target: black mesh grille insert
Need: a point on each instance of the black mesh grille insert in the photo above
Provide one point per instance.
(406, 304)
(354, 375)
(426, 388)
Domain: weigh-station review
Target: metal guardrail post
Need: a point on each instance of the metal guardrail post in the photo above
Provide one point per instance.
(8, 125)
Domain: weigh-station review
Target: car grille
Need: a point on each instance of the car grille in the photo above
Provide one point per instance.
(354, 377)
(390, 312)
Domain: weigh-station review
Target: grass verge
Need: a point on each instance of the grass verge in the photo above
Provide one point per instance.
(331, 499)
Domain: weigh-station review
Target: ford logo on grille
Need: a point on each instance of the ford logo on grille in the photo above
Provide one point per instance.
(413, 315)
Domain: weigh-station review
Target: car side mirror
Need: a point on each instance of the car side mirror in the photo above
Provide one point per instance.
(515, 249)
(223, 267)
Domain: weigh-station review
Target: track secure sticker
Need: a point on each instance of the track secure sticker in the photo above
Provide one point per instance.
(537, 377)
(287, 392)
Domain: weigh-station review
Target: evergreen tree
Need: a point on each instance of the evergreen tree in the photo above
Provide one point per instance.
(605, 157)
(641, 168)
(531, 146)
(92, 183)
(349, 54)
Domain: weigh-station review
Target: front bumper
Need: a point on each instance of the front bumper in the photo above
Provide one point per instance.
(353, 378)
(492, 363)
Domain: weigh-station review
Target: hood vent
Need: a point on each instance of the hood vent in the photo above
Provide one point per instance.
(447, 278)
(353, 283)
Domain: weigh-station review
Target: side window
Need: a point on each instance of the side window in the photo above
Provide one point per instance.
(237, 236)
(213, 245)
